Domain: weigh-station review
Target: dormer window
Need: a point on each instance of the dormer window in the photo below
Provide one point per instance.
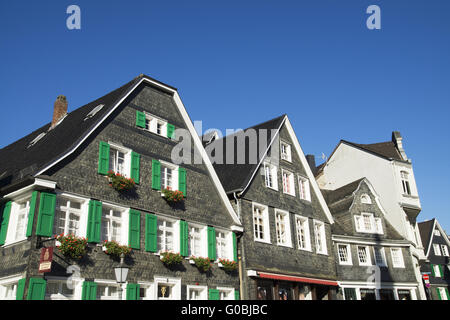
(367, 223)
(285, 151)
(154, 124)
(366, 199)
(405, 183)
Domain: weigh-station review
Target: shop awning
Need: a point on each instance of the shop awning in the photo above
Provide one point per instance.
(275, 276)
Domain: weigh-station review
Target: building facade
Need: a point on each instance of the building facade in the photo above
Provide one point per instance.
(437, 262)
(286, 251)
(57, 180)
(373, 260)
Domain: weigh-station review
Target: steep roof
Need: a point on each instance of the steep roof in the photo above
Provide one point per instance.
(386, 149)
(426, 232)
(234, 177)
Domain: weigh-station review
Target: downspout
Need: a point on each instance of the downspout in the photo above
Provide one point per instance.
(239, 244)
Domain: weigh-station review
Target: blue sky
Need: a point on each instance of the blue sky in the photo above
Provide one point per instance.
(238, 63)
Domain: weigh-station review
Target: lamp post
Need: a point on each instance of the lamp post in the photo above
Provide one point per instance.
(121, 274)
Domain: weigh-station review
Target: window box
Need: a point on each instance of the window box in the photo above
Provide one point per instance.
(71, 246)
(172, 195)
(203, 264)
(113, 248)
(170, 258)
(228, 265)
(119, 182)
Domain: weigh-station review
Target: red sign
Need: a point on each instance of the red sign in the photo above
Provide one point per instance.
(45, 262)
(426, 277)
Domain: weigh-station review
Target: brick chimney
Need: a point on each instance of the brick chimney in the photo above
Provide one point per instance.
(397, 140)
(59, 110)
(312, 163)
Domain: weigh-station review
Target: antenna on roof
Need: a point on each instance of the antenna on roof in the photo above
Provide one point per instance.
(324, 157)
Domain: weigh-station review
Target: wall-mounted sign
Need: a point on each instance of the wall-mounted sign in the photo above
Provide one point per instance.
(45, 262)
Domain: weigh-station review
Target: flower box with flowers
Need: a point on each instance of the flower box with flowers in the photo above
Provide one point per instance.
(120, 182)
(204, 264)
(71, 246)
(170, 258)
(113, 248)
(228, 265)
(172, 195)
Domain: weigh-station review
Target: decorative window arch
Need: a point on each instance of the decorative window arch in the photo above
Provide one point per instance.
(366, 199)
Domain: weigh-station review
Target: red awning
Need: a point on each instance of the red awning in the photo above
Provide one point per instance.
(275, 276)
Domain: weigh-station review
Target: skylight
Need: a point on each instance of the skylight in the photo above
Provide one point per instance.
(94, 111)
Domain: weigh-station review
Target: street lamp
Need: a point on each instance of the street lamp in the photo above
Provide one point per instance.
(121, 274)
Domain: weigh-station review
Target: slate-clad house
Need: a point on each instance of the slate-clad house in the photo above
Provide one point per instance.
(437, 263)
(286, 251)
(373, 260)
(55, 181)
(387, 167)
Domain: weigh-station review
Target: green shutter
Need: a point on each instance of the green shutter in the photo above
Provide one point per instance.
(446, 292)
(94, 221)
(4, 222)
(236, 295)
(234, 247)
(184, 236)
(438, 293)
(103, 158)
(31, 213)
(89, 291)
(170, 131)
(151, 233)
(46, 215)
(156, 174)
(441, 270)
(20, 289)
(134, 232)
(140, 119)
(133, 291)
(135, 166)
(214, 294)
(350, 293)
(432, 270)
(182, 180)
(36, 289)
(212, 243)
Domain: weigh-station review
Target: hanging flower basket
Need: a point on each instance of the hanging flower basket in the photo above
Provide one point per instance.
(71, 246)
(113, 248)
(170, 258)
(228, 265)
(120, 182)
(203, 264)
(172, 195)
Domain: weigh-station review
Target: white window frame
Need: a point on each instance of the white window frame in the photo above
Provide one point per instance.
(376, 224)
(443, 293)
(406, 185)
(444, 250)
(303, 188)
(161, 246)
(304, 225)
(365, 199)
(437, 232)
(437, 271)
(124, 221)
(367, 253)
(203, 242)
(400, 256)
(175, 283)
(271, 174)
(228, 244)
(13, 282)
(148, 287)
(82, 212)
(287, 225)
(127, 159)
(290, 180)
(348, 247)
(60, 296)
(174, 180)
(203, 292)
(153, 122)
(437, 249)
(321, 237)
(288, 154)
(265, 222)
(228, 291)
(11, 233)
(108, 284)
(382, 263)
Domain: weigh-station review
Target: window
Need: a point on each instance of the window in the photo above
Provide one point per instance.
(303, 237)
(223, 248)
(367, 223)
(443, 293)
(18, 220)
(444, 250)
(283, 228)
(197, 293)
(303, 188)
(156, 125)
(195, 244)
(8, 291)
(367, 294)
(286, 151)
(107, 291)
(112, 224)
(436, 270)
(67, 216)
(288, 183)
(58, 290)
(344, 254)
(350, 294)
(226, 293)
(169, 176)
(405, 182)
(380, 256)
(165, 235)
(378, 226)
(270, 174)
(437, 233)
(386, 294)
(404, 294)
(319, 237)
(437, 249)
(366, 199)
(168, 288)
(364, 256)
(397, 258)
(119, 159)
(261, 223)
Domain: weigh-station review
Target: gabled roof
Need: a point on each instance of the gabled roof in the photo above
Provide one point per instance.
(235, 177)
(426, 231)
